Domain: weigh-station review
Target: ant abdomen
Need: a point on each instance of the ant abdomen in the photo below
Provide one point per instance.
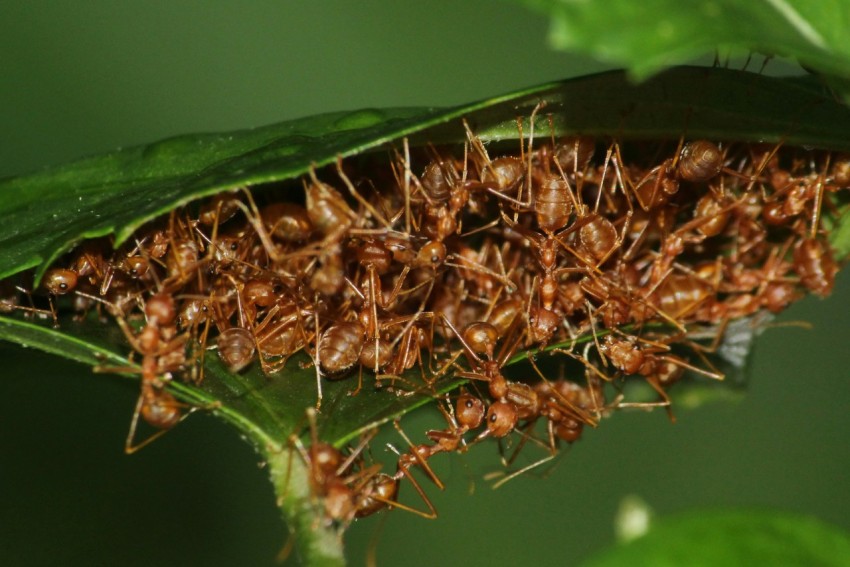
(700, 161)
(376, 354)
(813, 261)
(377, 494)
(569, 430)
(504, 314)
(438, 180)
(327, 210)
(287, 221)
(340, 346)
(679, 295)
(552, 203)
(599, 237)
(236, 348)
(182, 258)
(504, 174)
(160, 309)
(574, 154)
(373, 253)
(160, 409)
(218, 210)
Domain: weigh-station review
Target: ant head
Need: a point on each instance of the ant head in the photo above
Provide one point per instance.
(59, 281)
(470, 411)
(501, 419)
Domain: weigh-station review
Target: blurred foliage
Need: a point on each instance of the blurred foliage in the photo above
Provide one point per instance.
(736, 538)
(647, 36)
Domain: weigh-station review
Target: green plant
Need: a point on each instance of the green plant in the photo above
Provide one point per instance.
(411, 545)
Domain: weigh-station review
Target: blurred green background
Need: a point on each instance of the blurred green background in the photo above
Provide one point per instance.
(81, 78)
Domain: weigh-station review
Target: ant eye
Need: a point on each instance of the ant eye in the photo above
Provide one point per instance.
(234, 246)
(63, 286)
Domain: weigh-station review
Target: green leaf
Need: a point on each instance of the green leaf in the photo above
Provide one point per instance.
(646, 36)
(117, 192)
(733, 538)
(266, 409)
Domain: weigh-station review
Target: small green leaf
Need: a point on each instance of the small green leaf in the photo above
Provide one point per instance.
(731, 539)
(646, 36)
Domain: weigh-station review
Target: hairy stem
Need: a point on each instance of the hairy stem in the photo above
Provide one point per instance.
(316, 544)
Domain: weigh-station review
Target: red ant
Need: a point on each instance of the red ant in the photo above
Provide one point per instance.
(163, 352)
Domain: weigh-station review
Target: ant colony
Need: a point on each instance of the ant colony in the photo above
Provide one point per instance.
(604, 262)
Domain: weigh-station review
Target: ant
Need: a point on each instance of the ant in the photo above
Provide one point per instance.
(814, 262)
(347, 489)
(695, 162)
(633, 355)
(163, 352)
(468, 416)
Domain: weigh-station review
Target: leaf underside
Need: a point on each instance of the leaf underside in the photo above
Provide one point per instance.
(48, 212)
(267, 409)
(118, 192)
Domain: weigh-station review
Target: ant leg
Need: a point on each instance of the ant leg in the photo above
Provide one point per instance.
(317, 362)
(681, 363)
(418, 457)
(356, 194)
(523, 470)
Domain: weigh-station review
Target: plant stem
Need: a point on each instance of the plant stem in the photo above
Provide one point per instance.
(316, 544)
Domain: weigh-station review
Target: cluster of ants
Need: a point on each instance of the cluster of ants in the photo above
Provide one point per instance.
(444, 262)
